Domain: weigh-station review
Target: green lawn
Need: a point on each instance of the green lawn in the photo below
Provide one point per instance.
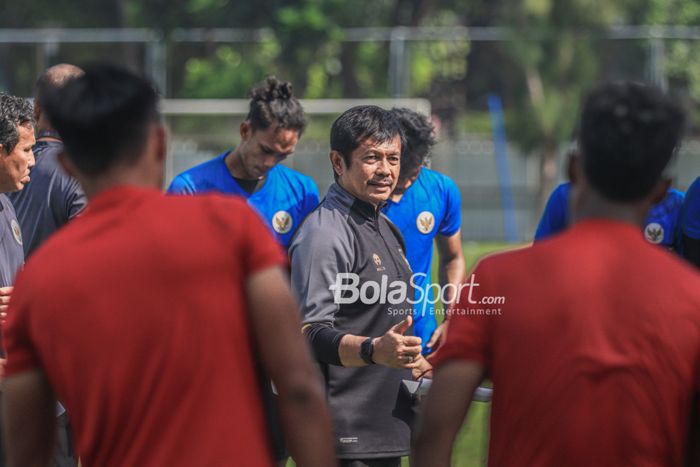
(472, 444)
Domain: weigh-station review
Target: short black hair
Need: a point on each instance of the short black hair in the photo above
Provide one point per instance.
(273, 102)
(14, 111)
(628, 134)
(363, 122)
(103, 117)
(420, 139)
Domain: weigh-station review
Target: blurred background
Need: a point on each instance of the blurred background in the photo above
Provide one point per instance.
(502, 79)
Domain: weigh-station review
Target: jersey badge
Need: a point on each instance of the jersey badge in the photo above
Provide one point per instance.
(654, 233)
(16, 231)
(282, 222)
(425, 222)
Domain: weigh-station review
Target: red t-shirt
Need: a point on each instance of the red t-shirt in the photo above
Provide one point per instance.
(594, 355)
(137, 313)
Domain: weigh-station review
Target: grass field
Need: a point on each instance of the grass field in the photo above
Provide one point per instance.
(472, 444)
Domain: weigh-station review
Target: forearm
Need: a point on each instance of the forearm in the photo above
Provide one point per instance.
(452, 271)
(306, 422)
(29, 419)
(349, 351)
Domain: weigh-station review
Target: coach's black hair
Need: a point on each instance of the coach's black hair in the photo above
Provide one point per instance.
(361, 123)
(628, 134)
(420, 139)
(14, 111)
(103, 117)
(273, 102)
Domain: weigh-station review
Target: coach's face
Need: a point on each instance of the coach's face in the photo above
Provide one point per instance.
(261, 150)
(15, 164)
(373, 170)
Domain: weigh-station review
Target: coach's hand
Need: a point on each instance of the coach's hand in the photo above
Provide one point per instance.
(5, 293)
(395, 350)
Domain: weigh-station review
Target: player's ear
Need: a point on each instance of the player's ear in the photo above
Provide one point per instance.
(245, 130)
(37, 110)
(660, 190)
(337, 162)
(161, 143)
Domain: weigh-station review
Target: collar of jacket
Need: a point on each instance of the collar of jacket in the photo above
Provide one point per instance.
(365, 209)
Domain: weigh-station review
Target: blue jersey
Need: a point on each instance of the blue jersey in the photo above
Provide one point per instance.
(661, 226)
(284, 200)
(431, 206)
(690, 217)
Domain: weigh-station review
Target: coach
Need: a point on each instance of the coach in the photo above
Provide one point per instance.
(342, 254)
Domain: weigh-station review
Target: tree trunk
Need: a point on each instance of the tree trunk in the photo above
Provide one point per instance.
(351, 88)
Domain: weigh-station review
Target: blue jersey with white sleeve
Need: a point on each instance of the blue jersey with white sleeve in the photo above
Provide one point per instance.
(661, 225)
(430, 206)
(284, 200)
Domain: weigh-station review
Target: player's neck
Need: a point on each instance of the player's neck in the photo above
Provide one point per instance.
(594, 206)
(235, 166)
(401, 187)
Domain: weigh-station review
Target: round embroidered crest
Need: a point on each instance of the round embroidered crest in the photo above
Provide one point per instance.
(282, 222)
(425, 222)
(654, 233)
(377, 260)
(16, 231)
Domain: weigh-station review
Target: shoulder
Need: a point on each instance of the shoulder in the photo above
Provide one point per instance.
(325, 225)
(693, 189)
(673, 199)
(7, 204)
(194, 175)
(562, 191)
(431, 177)
(294, 178)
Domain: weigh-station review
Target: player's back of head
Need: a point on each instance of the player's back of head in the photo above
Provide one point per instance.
(361, 123)
(103, 117)
(628, 135)
(273, 103)
(420, 139)
(53, 78)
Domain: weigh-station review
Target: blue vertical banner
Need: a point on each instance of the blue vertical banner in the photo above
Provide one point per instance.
(510, 221)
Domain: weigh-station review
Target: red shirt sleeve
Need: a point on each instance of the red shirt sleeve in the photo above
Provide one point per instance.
(468, 334)
(19, 348)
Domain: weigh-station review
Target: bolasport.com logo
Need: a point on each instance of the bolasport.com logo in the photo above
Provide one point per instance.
(347, 289)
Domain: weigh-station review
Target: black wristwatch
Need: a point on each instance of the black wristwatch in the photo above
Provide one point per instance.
(366, 351)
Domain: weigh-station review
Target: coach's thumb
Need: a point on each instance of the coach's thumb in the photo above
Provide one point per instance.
(403, 325)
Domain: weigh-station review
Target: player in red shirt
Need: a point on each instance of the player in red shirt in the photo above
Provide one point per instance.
(146, 314)
(594, 348)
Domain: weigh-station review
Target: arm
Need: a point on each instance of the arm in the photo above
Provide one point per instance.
(284, 354)
(319, 261)
(452, 270)
(29, 419)
(444, 410)
(393, 349)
